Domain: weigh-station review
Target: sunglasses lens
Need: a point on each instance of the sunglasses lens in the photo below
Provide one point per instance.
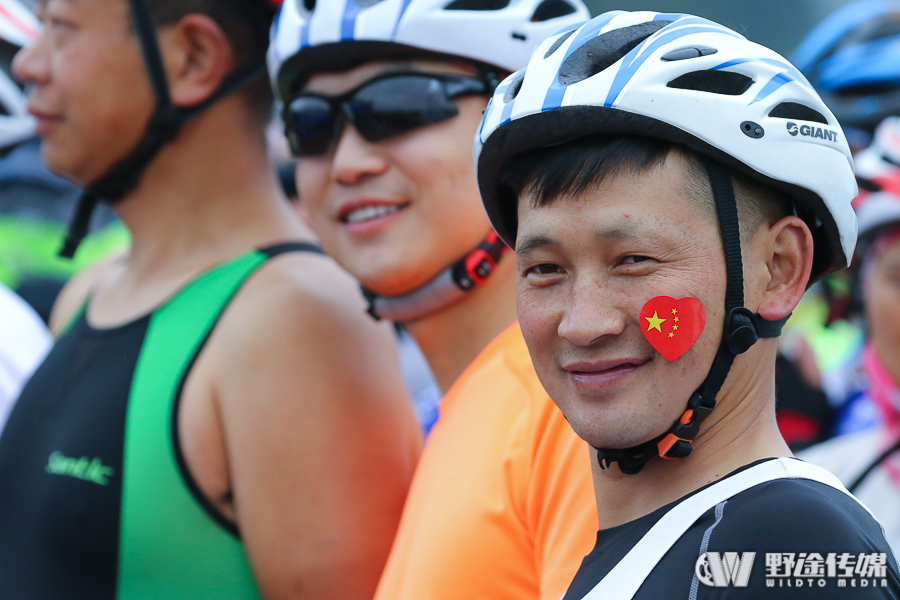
(310, 126)
(394, 105)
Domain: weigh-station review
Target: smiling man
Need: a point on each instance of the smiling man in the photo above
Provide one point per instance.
(219, 418)
(666, 220)
(381, 101)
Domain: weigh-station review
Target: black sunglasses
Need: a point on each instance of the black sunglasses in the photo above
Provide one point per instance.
(380, 108)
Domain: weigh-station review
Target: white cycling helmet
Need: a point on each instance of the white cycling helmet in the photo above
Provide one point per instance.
(497, 35)
(19, 27)
(878, 172)
(686, 80)
(500, 33)
(693, 82)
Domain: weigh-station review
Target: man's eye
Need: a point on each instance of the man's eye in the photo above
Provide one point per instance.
(630, 260)
(545, 269)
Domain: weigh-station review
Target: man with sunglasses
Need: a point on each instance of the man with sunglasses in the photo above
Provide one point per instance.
(219, 419)
(380, 103)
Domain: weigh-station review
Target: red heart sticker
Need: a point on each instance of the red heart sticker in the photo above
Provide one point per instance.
(672, 326)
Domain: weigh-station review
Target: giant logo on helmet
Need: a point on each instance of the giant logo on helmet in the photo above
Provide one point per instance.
(814, 132)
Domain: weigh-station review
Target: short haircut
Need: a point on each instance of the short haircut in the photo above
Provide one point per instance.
(570, 169)
(246, 24)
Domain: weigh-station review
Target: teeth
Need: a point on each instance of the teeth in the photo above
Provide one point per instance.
(370, 212)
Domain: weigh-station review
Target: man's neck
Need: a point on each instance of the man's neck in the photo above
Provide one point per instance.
(740, 431)
(208, 196)
(452, 338)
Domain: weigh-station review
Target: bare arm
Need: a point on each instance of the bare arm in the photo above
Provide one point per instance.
(320, 434)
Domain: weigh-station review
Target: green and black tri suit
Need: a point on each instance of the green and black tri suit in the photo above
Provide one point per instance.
(95, 499)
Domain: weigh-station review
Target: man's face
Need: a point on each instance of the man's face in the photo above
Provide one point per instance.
(586, 266)
(89, 88)
(396, 212)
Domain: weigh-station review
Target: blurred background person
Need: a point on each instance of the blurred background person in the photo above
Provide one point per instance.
(852, 58)
(867, 456)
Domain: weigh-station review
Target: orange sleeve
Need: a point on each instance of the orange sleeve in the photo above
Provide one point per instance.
(562, 512)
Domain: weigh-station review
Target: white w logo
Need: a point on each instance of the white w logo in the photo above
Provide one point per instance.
(714, 570)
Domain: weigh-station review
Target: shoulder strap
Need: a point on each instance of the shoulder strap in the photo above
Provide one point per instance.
(627, 577)
(170, 547)
(276, 249)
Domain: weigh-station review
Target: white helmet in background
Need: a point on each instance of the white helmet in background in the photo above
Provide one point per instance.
(19, 27)
(878, 173)
(499, 33)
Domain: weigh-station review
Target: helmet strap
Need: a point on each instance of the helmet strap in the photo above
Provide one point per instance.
(447, 287)
(741, 330)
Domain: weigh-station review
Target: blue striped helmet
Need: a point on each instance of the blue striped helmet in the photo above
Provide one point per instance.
(337, 34)
(853, 60)
(687, 80)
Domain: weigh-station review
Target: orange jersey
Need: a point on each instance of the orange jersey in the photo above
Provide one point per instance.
(502, 502)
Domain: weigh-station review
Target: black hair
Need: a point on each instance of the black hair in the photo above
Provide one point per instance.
(246, 23)
(570, 169)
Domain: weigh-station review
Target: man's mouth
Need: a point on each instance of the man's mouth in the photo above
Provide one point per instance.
(604, 373)
(368, 213)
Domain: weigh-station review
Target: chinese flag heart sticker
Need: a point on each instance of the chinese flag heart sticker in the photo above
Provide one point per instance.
(672, 326)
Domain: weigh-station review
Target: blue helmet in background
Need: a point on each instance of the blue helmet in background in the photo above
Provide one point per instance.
(852, 58)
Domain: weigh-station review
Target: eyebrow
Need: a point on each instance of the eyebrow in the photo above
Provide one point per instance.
(537, 242)
(534, 243)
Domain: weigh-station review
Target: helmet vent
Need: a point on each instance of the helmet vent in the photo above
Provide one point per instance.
(367, 3)
(792, 110)
(725, 83)
(513, 90)
(605, 50)
(559, 42)
(309, 5)
(477, 5)
(687, 53)
(551, 9)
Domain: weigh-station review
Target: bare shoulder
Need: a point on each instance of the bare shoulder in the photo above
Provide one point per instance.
(303, 309)
(300, 291)
(76, 291)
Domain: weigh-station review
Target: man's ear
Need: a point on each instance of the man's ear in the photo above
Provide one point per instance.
(788, 248)
(197, 55)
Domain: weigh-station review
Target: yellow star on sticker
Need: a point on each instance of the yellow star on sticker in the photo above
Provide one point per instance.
(655, 322)
(676, 319)
(671, 335)
(674, 327)
(674, 312)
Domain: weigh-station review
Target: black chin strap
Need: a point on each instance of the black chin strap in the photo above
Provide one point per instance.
(162, 127)
(447, 287)
(741, 330)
